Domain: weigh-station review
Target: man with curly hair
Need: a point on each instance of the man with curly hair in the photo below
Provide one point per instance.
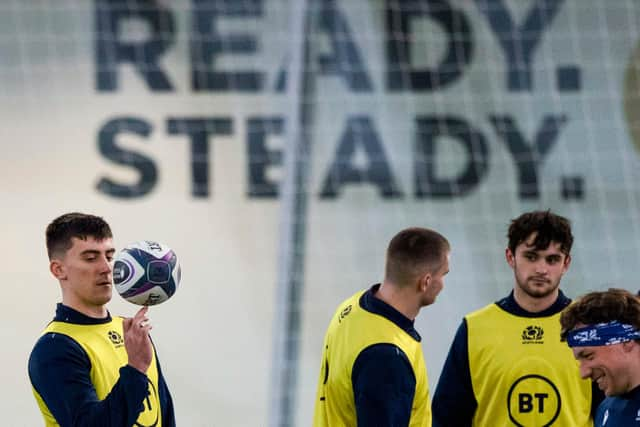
(507, 365)
(603, 331)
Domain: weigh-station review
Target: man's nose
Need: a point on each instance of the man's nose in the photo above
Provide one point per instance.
(106, 266)
(585, 370)
(542, 267)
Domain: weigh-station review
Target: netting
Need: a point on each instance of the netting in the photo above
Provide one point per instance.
(277, 146)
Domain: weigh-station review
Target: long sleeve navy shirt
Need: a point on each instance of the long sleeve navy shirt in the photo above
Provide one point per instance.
(383, 380)
(623, 410)
(59, 370)
(454, 403)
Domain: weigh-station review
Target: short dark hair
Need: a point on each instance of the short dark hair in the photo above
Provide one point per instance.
(549, 227)
(414, 251)
(74, 224)
(601, 307)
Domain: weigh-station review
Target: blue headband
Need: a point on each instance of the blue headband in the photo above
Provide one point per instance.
(602, 334)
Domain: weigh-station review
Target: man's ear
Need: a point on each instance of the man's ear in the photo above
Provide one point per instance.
(567, 262)
(424, 282)
(629, 346)
(510, 256)
(57, 269)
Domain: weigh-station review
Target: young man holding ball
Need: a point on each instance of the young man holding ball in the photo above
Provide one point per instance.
(89, 368)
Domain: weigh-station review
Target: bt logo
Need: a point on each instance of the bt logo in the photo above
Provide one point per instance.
(533, 401)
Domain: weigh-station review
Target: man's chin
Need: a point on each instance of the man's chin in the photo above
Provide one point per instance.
(103, 299)
(539, 290)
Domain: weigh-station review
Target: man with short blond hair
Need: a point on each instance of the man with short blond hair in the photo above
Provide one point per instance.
(372, 369)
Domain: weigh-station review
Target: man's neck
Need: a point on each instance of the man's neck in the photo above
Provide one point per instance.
(396, 298)
(534, 304)
(96, 312)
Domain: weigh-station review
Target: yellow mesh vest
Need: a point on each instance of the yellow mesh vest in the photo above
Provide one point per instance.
(522, 374)
(351, 330)
(104, 345)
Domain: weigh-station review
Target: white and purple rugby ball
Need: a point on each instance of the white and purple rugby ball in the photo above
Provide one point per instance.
(146, 273)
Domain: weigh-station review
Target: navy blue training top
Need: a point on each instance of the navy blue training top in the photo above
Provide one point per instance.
(454, 403)
(382, 377)
(59, 370)
(623, 410)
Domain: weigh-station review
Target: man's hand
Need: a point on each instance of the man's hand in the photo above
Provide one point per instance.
(137, 341)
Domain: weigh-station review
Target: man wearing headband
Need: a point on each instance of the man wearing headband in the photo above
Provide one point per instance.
(507, 365)
(603, 330)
